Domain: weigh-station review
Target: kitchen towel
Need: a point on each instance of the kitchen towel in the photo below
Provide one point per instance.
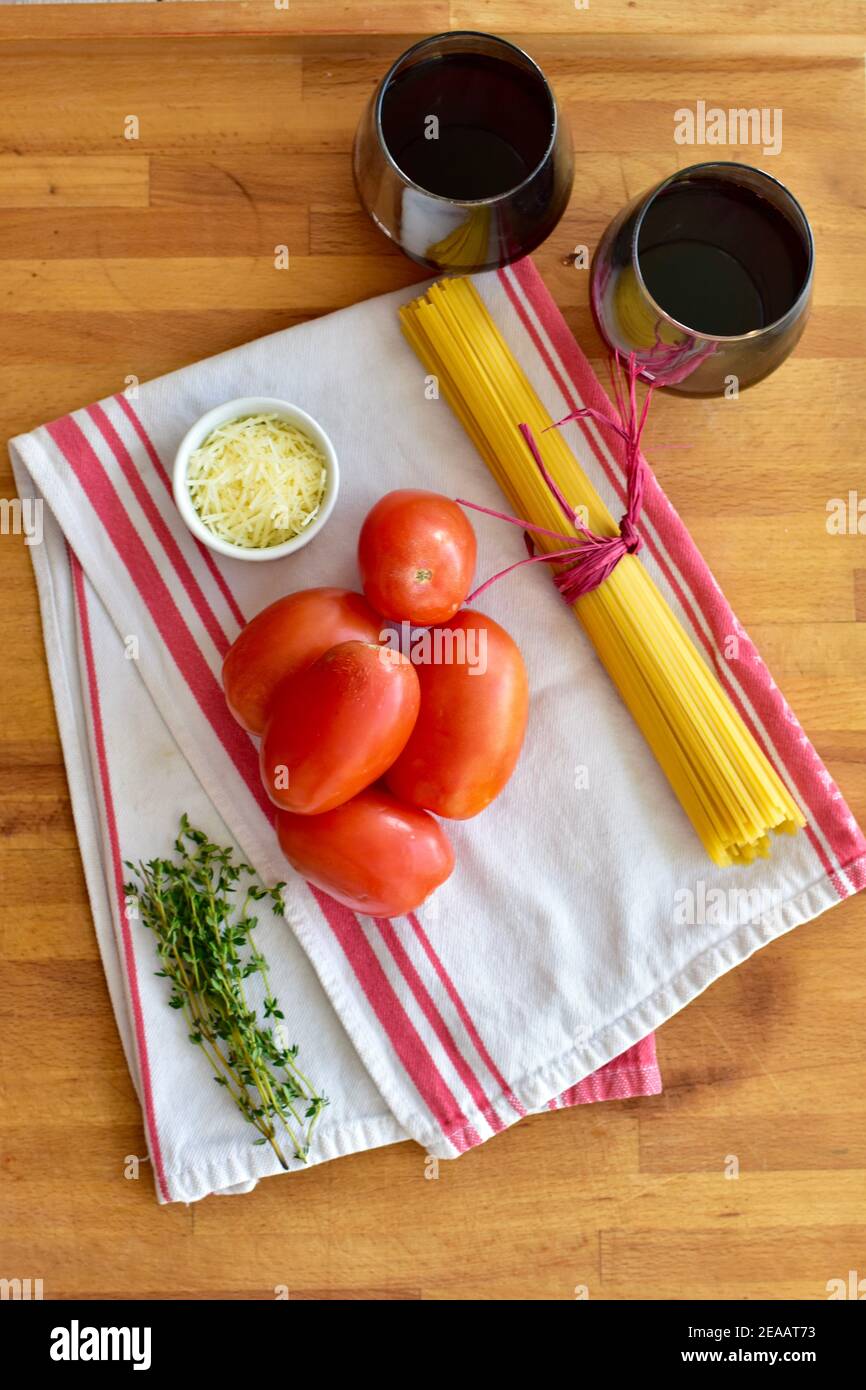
(582, 912)
(129, 784)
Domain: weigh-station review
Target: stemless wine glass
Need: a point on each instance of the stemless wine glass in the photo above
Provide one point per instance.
(462, 157)
(706, 278)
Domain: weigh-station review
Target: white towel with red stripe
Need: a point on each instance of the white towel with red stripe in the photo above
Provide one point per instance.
(583, 911)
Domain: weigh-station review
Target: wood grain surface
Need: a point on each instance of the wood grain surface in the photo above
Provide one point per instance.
(123, 257)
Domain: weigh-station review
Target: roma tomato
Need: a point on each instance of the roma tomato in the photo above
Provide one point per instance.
(469, 732)
(284, 638)
(374, 854)
(336, 726)
(416, 553)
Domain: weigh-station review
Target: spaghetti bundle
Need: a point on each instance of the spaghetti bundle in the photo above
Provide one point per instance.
(727, 787)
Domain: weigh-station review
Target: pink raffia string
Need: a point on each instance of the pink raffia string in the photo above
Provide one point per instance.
(587, 559)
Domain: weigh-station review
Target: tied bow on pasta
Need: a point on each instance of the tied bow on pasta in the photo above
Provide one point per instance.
(587, 559)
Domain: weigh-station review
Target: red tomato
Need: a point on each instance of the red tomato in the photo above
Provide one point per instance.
(286, 637)
(337, 726)
(470, 729)
(416, 552)
(373, 853)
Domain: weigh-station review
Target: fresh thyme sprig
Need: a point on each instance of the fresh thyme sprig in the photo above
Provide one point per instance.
(198, 907)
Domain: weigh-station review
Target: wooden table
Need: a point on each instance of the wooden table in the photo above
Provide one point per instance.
(133, 257)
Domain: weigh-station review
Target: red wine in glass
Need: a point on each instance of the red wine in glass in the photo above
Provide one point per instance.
(719, 259)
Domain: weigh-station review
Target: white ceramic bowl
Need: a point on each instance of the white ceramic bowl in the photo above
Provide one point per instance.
(233, 410)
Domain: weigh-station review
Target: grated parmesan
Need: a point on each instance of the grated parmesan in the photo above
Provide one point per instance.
(257, 481)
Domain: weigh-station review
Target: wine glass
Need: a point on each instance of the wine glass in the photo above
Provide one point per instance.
(462, 156)
(707, 278)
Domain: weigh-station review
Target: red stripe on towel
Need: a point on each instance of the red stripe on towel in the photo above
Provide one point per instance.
(425, 1002)
(79, 453)
(464, 1015)
(405, 1039)
(162, 472)
(160, 528)
(117, 866)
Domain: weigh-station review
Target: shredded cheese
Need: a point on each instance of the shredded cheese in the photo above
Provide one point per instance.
(257, 481)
